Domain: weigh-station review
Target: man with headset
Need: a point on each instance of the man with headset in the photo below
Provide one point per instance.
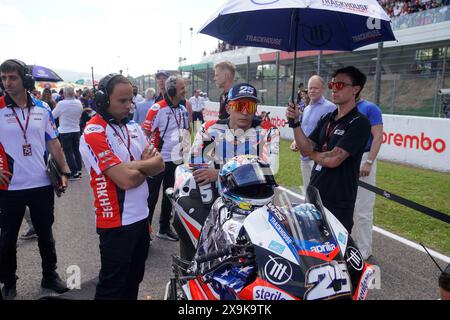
(27, 135)
(118, 158)
(166, 124)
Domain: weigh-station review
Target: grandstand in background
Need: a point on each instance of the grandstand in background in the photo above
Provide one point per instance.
(413, 69)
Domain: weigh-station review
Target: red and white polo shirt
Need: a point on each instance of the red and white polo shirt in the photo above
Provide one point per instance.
(102, 146)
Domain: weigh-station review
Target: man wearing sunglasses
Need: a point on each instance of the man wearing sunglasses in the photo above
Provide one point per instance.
(336, 145)
(220, 140)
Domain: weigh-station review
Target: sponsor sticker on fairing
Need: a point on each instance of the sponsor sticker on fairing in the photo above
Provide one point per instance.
(276, 247)
(324, 248)
(364, 285)
(266, 293)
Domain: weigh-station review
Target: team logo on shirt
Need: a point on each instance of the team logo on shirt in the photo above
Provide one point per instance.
(93, 128)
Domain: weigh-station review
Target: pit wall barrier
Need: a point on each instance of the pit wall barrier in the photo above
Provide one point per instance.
(417, 141)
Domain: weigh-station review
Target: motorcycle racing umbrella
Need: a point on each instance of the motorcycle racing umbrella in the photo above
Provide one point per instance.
(41, 73)
(293, 25)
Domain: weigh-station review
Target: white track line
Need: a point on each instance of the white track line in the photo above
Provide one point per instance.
(388, 234)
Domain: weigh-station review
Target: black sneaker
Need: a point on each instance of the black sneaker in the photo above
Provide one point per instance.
(54, 283)
(168, 235)
(9, 291)
(75, 176)
(30, 234)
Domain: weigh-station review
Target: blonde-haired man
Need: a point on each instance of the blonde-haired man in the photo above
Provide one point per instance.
(224, 77)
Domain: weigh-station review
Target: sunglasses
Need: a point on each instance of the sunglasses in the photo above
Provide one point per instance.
(339, 85)
(248, 105)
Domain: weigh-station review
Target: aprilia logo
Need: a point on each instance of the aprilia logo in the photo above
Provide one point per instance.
(324, 248)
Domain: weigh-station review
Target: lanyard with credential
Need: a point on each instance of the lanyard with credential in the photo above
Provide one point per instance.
(178, 121)
(26, 147)
(330, 129)
(128, 145)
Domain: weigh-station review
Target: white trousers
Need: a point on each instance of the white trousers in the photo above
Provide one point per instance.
(306, 168)
(363, 215)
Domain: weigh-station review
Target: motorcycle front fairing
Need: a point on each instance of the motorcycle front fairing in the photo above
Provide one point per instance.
(302, 259)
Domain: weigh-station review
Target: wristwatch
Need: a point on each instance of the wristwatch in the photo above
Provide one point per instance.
(369, 161)
(297, 124)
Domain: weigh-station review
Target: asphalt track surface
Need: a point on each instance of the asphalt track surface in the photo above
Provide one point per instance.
(406, 273)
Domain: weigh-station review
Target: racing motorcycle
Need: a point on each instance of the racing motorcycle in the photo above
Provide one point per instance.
(269, 252)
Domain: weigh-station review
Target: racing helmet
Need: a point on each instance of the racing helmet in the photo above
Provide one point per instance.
(245, 183)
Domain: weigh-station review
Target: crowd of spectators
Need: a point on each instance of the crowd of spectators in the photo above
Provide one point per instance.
(222, 46)
(395, 8)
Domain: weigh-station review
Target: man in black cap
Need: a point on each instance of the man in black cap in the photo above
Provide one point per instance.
(161, 77)
(239, 134)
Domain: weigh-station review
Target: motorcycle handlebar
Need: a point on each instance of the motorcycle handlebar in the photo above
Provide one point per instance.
(214, 255)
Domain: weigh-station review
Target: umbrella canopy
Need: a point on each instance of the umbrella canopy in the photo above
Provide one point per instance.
(291, 25)
(41, 73)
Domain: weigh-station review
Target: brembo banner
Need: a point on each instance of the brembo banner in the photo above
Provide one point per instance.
(417, 141)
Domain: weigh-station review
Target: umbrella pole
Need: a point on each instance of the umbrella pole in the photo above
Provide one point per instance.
(93, 82)
(290, 120)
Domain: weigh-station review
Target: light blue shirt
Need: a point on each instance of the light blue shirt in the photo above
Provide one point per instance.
(312, 114)
(141, 110)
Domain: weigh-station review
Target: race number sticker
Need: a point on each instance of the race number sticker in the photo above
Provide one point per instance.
(327, 280)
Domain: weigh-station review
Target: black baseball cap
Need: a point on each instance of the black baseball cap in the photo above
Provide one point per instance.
(162, 73)
(243, 90)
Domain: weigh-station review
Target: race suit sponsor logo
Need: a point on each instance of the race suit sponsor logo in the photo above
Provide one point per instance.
(266, 293)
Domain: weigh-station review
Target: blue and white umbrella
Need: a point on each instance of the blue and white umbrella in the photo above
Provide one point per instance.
(321, 24)
(293, 25)
(41, 73)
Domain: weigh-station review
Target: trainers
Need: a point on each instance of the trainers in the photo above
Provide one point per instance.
(54, 283)
(30, 234)
(75, 176)
(9, 292)
(168, 235)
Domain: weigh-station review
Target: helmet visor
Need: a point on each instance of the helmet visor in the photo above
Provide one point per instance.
(251, 174)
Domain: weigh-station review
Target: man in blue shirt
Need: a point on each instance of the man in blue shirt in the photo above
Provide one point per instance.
(318, 106)
(142, 107)
(365, 200)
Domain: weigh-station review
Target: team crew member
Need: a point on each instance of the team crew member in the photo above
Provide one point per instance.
(336, 145)
(118, 158)
(166, 123)
(365, 200)
(27, 134)
(198, 104)
(224, 78)
(240, 134)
